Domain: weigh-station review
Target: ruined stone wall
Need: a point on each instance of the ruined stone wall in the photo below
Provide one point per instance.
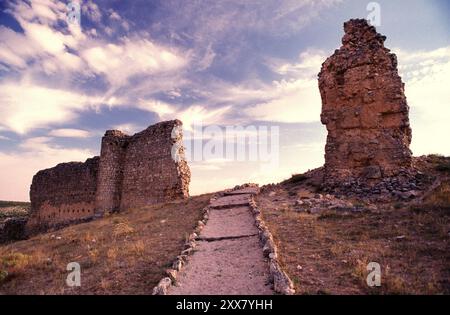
(132, 171)
(150, 172)
(364, 108)
(63, 194)
(110, 175)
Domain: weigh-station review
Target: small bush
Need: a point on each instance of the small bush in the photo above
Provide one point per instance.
(3, 275)
(14, 262)
(443, 167)
(441, 163)
(138, 248)
(122, 229)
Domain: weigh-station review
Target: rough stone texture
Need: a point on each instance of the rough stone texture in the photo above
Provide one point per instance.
(239, 222)
(364, 109)
(139, 170)
(131, 171)
(110, 177)
(63, 194)
(150, 174)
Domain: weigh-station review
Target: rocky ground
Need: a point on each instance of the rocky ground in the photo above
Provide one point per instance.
(326, 237)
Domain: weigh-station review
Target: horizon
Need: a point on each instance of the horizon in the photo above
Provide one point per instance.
(127, 66)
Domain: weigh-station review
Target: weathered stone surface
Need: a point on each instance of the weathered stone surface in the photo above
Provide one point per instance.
(231, 201)
(364, 109)
(231, 222)
(63, 194)
(140, 170)
(162, 287)
(132, 171)
(230, 266)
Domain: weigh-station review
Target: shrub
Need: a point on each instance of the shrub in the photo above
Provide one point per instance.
(3, 275)
(122, 229)
(14, 262)
(441, 163)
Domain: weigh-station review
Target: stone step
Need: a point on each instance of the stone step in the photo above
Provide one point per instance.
(231, 201)
(230, 222)
(227, 267)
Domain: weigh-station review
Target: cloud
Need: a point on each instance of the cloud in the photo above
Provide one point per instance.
(119, 62)
(215, 20)
(92, 11)
(289, 102)
(188, 115)
(293, 98)
(26, 106)
(128, 128)
(50, 48)
(69, 133)
(308, 65)
(208, 58)
(427, 78)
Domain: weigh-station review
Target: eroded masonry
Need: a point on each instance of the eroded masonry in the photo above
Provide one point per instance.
(364, 109)
(131, 171)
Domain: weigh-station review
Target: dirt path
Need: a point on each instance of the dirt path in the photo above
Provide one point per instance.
(228, 258)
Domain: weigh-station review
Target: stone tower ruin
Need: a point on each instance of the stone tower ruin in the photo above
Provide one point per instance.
(364, 109)
(131, 171)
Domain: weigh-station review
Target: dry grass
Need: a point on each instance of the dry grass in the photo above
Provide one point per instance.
(440, 197)
(328, 254)
(124, 253)
(11, 209)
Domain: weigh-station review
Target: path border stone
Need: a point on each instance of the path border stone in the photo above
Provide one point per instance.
(282, 284)
(180, 261)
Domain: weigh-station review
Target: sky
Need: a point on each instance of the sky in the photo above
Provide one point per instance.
(129, 64)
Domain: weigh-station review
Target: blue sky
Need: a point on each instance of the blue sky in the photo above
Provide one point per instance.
(130, 64)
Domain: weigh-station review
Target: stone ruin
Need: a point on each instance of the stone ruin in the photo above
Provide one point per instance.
(365, 111)
(131, 171)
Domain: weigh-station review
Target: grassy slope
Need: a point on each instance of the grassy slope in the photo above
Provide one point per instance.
(329, 253)
(124, 253)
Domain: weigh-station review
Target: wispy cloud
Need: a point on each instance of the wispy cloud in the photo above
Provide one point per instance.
(69, 133)
(427, 78)
(26, 106)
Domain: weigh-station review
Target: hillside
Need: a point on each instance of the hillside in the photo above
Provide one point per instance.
(325, 243)
(124, 253)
